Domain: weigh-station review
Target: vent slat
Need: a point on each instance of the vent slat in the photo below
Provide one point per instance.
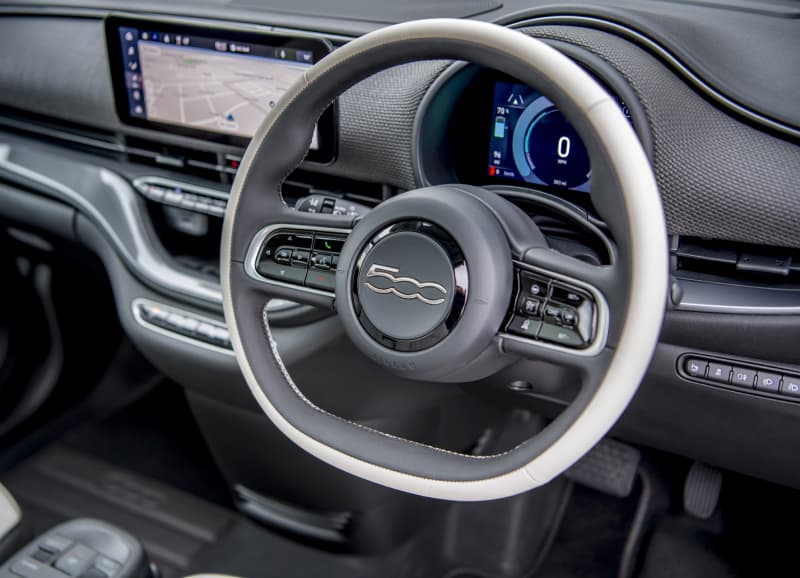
(738, 262)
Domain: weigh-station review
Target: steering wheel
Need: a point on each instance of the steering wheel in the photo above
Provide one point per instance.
(441, 283)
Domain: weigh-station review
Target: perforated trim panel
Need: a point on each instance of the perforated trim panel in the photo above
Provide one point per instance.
(719, 178)
(377, 118)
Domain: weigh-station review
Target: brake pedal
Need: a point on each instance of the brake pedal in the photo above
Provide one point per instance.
(609, 467)
(701, 490)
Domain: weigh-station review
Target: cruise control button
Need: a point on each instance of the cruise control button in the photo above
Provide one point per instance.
(696, 367)
(561, 335)
(569, 317)
(790, 386)
(568, 295)
(533, 286)
(281, 272)
(525, 327)
(743, 376)
(530, 307)
(768, 382)
(719, 372)
(552, 312)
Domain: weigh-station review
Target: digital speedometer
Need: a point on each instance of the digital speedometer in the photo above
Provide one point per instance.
(532, 141)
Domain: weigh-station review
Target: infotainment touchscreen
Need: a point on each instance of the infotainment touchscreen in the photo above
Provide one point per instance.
(206, 82)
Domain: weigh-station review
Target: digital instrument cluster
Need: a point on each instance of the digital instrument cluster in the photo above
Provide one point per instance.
(533, 142)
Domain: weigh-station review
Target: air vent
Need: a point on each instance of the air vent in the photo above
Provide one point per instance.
(735, 261)
(78, 136)
(200, 163)
(303, 183)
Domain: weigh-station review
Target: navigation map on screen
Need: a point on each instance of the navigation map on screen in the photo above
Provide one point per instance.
(207, 84)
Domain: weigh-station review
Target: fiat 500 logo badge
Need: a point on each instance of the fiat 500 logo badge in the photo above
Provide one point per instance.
(389, 273)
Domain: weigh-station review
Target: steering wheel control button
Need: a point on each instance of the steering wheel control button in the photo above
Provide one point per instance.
(719, 372)
(302, 258)
(324, 280)
(328, 244)
(552, 312)
(568, 313)
(322, 261)
(283, 256)
(534, 286)
(569, 317)
(280, 272)
(769, 382)
(524, 326)
(561, 335)
(564, 294)
(530, 307)
(743, 377)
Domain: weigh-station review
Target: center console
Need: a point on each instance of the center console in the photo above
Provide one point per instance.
(80, 549)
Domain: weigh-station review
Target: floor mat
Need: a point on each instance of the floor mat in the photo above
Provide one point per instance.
(677, 550)
(591, 539)
(181, 533)
(157, 437)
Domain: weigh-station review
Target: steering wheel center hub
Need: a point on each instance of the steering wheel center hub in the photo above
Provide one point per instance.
(410, 286)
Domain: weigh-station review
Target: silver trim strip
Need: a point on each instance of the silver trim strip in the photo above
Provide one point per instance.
(177, 336)
(664, 53)
(140, 182)
(602, 324)
(257, 246)
(712, 297)
(141, 257)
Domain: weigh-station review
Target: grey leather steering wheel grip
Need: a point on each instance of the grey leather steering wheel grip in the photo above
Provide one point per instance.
(632, 292)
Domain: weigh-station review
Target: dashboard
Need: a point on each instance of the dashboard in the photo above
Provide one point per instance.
(126, 143)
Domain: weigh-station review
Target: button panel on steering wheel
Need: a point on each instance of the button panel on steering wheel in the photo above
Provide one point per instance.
(300, 257)
(552, 311)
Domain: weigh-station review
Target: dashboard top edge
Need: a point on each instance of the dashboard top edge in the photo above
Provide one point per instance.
(658, 48)
(591, 16)
(274, 23)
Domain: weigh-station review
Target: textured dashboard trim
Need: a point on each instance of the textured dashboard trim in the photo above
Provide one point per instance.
(669, 57)
(719, 178)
